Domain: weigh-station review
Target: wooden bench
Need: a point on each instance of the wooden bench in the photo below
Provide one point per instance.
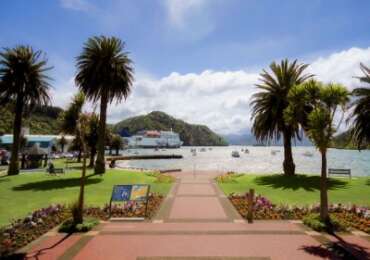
(340, 172)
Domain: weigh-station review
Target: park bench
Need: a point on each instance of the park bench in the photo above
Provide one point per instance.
(340, 172)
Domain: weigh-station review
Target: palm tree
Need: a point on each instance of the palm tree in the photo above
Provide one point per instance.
(81, 133)
(69, 121)
(62, 142)
(117, 143)
(319, 105)
(23, 81)
(361, 112)
(92, 135)
(269, 103)
(104, 73)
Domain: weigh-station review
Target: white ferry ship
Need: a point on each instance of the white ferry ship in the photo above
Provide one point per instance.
(154, 139)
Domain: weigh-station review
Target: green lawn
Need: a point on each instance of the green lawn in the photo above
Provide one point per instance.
(24, 193)
(302, 189)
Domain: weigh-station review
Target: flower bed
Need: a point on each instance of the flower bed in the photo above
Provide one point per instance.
(129, 209)
(352, 216)
(22, 231)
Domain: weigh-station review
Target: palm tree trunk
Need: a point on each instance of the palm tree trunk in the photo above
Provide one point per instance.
(14, 160)
(324, 215)
(288, 164)
(79, 218)
(100, 160)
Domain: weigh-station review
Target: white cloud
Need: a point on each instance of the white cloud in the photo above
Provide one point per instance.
(341, 67)
(219, 99)
(77, 5)
(189, 20)
(179, 11)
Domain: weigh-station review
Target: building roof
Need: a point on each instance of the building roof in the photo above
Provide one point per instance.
(8, 139)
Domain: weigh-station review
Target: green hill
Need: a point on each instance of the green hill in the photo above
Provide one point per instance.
(42, 120)
(195, 135)
(343, 141)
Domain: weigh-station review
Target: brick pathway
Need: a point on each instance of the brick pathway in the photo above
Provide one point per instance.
(196, 222)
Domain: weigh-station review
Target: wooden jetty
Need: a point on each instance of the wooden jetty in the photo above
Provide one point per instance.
(144, 157)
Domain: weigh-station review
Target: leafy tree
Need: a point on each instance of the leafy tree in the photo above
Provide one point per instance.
(314, 106)
(117, 143)
(69, 120)
(23, 81)
(92, 135)
(104, 73)
(108, 139)
(269, 103)
(361, 113)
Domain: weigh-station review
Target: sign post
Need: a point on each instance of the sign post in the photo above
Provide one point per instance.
(126, 193)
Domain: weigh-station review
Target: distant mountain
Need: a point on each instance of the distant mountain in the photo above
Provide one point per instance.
(344, 141)
(42, 120)
(194, 135)
(249, 139)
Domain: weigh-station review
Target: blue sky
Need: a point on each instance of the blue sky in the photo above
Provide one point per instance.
(195, 50)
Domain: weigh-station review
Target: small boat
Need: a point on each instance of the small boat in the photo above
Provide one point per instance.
(235, 154)
(308, 154)
(246, 150)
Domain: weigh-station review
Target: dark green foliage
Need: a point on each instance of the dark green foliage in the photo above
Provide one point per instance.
(104, 68)
(361, 112)
(270, 102)
(272, 99)
(116, 143)
(314, 222)
(343, 141)
(68, 119)
(156, 120)
(42, 120)
(104, 73)
(69, 226)
(24, 83)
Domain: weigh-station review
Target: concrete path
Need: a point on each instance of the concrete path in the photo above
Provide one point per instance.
(195, 222)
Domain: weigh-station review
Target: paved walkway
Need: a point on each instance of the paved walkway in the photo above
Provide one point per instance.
(195, 222)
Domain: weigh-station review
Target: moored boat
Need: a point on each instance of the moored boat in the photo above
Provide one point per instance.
(235, 154)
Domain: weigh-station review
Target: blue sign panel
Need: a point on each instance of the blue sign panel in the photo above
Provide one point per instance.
(121, 192)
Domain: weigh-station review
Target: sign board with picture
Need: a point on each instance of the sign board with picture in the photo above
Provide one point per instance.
(133, 192)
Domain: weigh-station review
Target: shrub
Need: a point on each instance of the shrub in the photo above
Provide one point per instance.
(69, 226)
(228, 177)
(165, 178)
(313, 221)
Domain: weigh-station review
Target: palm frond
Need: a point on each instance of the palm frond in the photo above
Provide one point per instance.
(104, 68)
(23, 76)
(269, 103)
